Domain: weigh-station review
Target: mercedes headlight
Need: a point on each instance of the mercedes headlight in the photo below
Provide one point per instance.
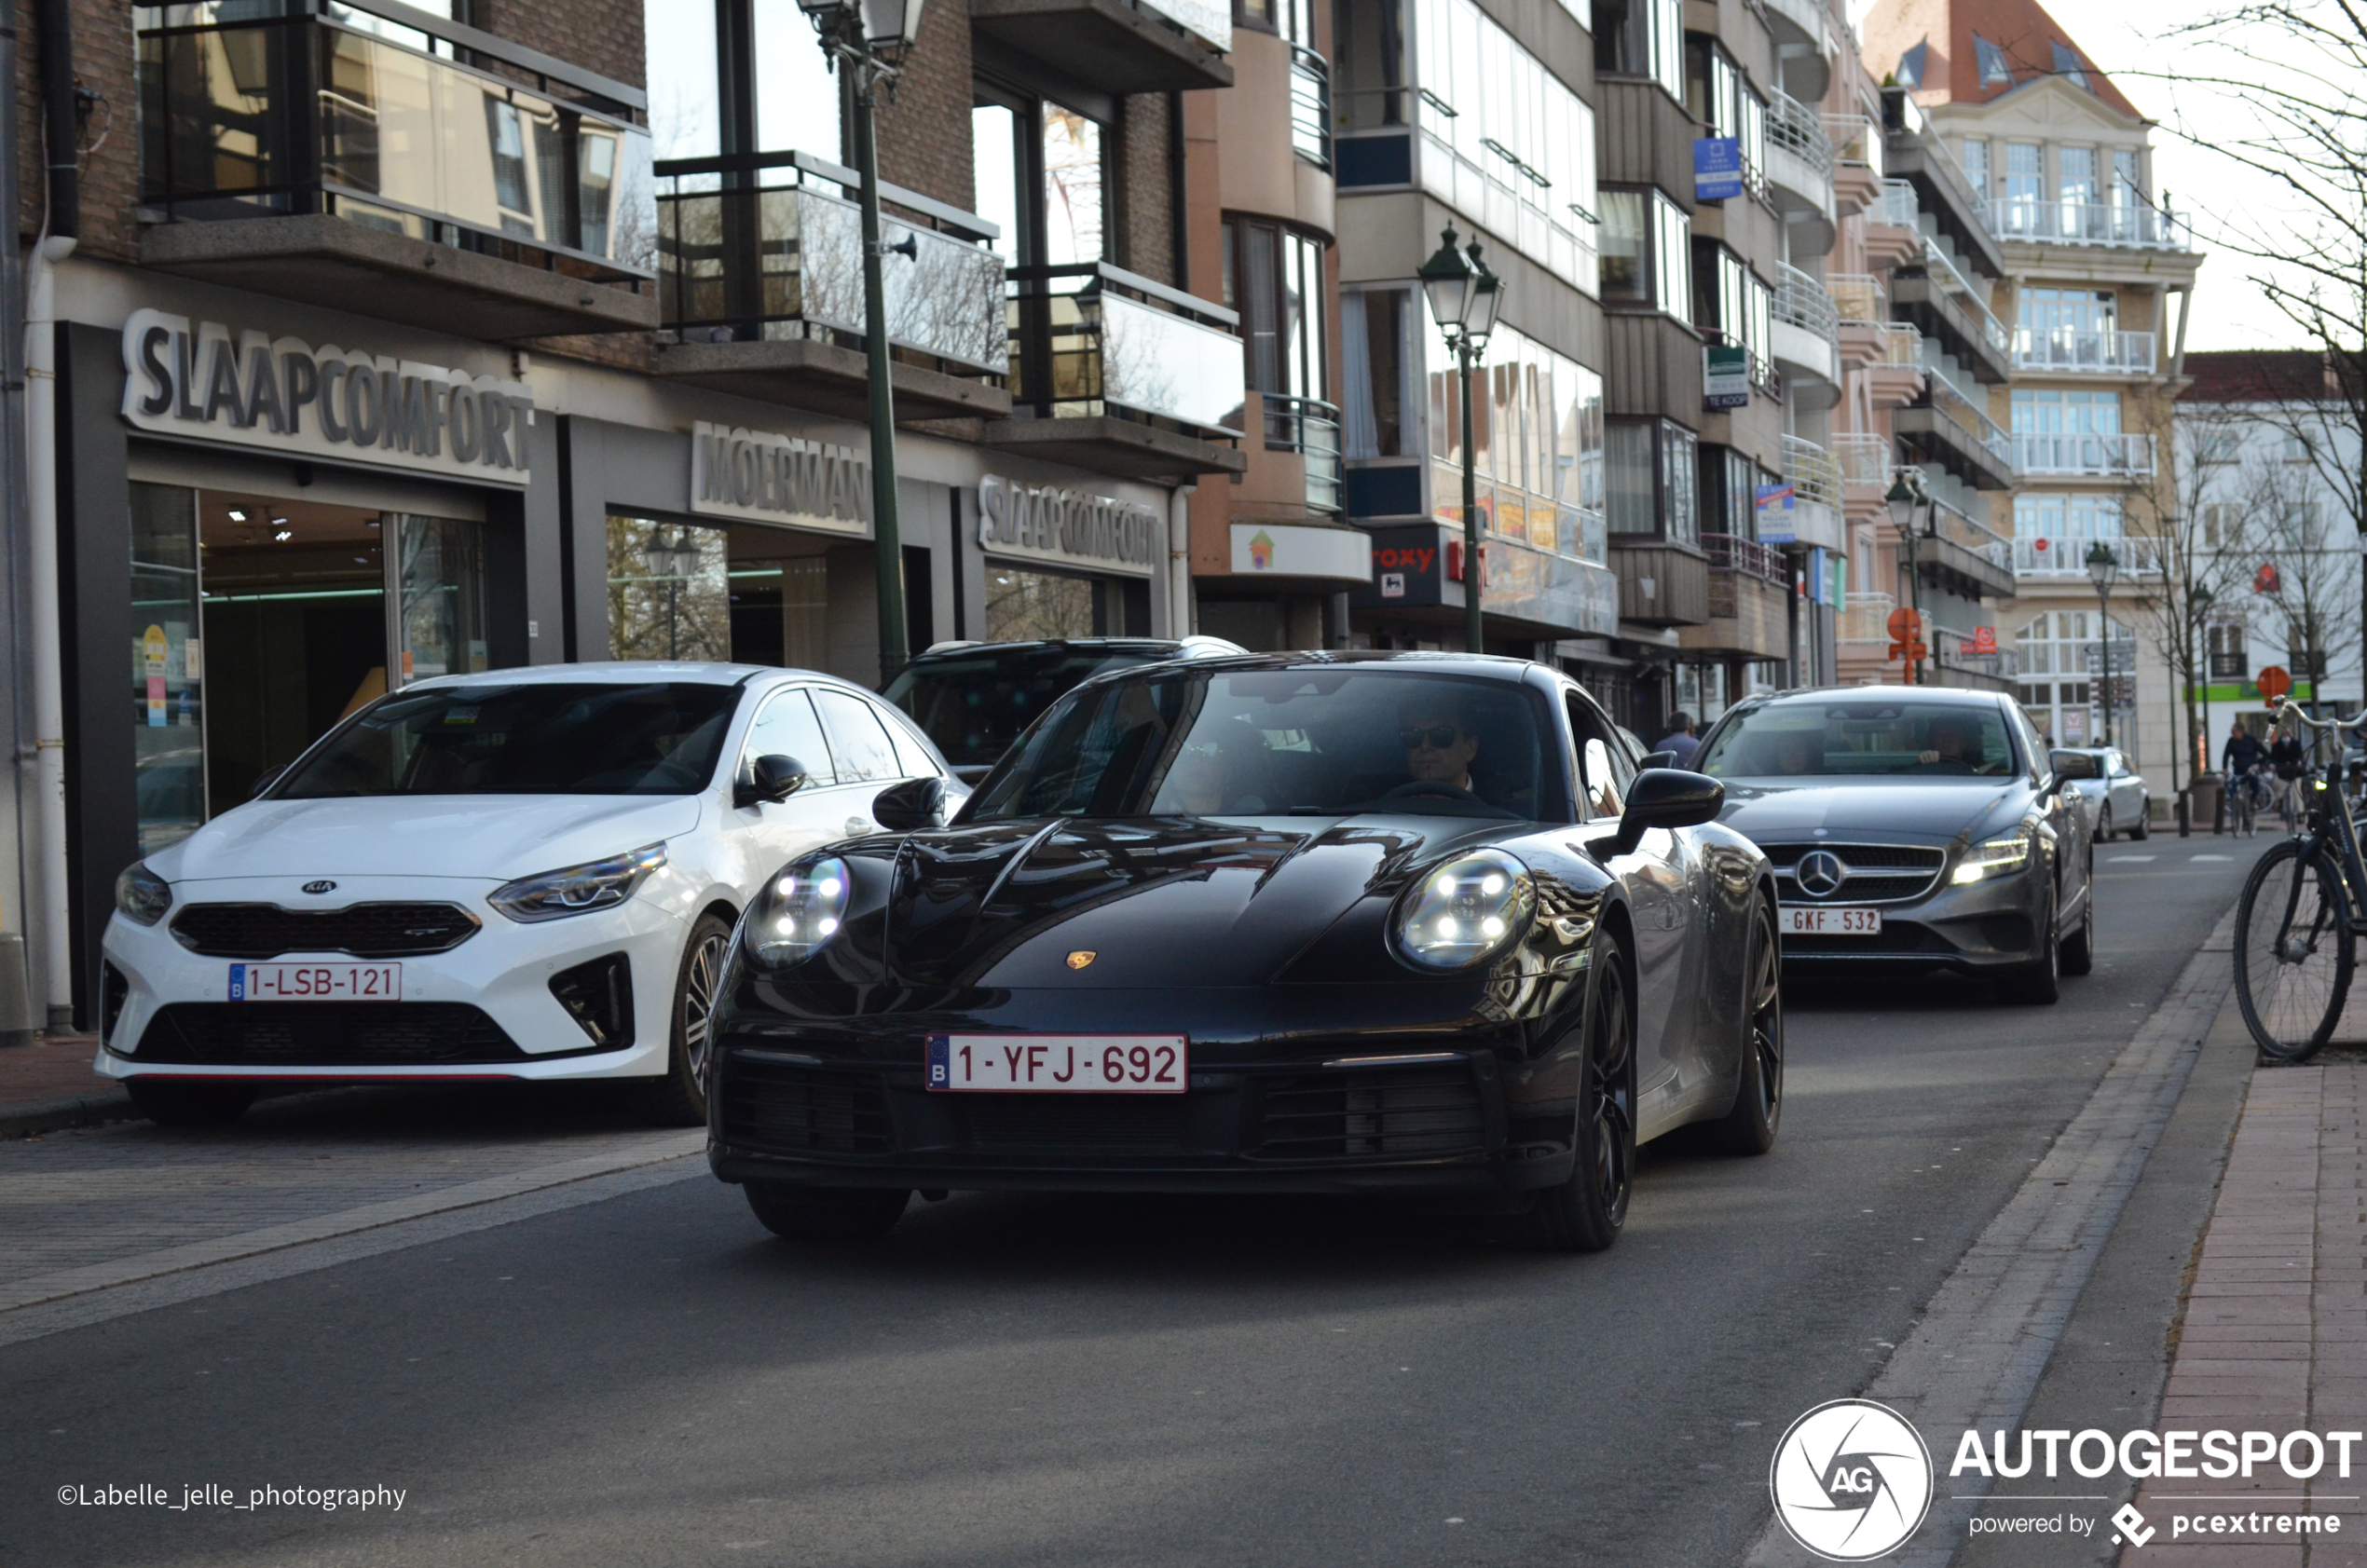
(1998, 858)
(142, 895)
(797, 912)
(1464, 912)
(577, 889)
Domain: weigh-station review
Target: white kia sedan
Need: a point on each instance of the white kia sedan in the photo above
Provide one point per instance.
(529, 874)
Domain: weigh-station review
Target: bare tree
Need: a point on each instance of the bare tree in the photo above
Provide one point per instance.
(2304, 574)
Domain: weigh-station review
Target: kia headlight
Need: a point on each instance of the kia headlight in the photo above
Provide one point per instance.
(1997, 857)
(140, 896)
(577, 889)
(797, 912)
(1464, 912)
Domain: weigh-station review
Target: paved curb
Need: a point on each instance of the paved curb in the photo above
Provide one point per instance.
(33, 1117)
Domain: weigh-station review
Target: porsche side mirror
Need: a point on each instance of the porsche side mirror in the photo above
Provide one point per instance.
(1661, 759)
(770, 778)
(910, 807)
(2071, 764)
(1663, 797)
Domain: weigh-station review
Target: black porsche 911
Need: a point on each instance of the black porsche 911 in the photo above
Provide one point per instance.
(1387, 923)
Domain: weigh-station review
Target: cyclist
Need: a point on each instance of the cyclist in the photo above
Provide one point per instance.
(2290, 764)
(2242, 753)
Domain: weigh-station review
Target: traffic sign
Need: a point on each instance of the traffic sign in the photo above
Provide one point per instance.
(2274, 682)
(1908, 650)
(1984, 639)
(1902, 624)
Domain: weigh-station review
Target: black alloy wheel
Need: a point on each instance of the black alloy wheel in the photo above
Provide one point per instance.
(1585, 1213)
(1749, 1128)
(678, 1097)
(2079, 949)
(2039, 982)
(2104, 825)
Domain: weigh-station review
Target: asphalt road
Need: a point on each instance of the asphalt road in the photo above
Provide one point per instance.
(1027, 1379)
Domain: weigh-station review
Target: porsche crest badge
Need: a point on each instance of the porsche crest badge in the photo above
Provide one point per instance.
(1082, 957)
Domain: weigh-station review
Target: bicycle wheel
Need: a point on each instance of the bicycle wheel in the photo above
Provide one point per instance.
(2293, 950)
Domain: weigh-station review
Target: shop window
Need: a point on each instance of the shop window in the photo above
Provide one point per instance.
(669, 591)
(169, 664)
(1023, 606)
(440, 587)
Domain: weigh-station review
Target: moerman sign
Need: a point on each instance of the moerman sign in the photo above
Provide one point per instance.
(760, 477)
(1067, 528)
(283, 395)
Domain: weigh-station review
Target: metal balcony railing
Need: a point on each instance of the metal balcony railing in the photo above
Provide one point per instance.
(1812, 472)
(779, 255)
(1092, 339)
(1863, 458)
(1902, 346)
(2229, 667)
(1802, 301)
(1858, 296)
(2073, 349)
(2114, 456)
(2089, 223)
(1310, 106)
(1977, 427)
(1794, 127)
(1310, 428)
(2065, 555)
(1897, 207)
(1857, 142)
(249, 115)
(1732, 552)
(1968, 533)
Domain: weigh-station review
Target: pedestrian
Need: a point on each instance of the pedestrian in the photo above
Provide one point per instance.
(1680, 738)
(2290, 763)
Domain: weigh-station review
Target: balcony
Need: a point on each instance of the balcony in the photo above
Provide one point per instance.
(1915, 153)
(1660, 583)
(1120, 47)
(760, 291)
(1310, 108)
(310, 160)
(1893, 231)
(1956, 318)
(1805, 329)
(1311, 428)
(1748, 611)
(1816, 514)
(1965, 556)
(1857, 162)
(2089, 223)
(1948, 430)
(1804, 41)
(2065, 556)
(2084, 351)
(2085, 455)
(1800, 170)
(1115, 372)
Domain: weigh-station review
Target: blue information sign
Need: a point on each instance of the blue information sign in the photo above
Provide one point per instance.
(1717, 168)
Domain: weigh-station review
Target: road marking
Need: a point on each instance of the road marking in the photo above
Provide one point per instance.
(1974, 1357)
(2203, 857)
(2129, 859)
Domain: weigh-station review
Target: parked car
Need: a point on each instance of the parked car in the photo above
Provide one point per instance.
(2118, 800)
(1403, 923)
(524, 874)
(973, 698)
(1914, 828)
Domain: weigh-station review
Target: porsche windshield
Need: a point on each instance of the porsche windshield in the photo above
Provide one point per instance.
(1854, 737)
(1284, 743)
(575, 738)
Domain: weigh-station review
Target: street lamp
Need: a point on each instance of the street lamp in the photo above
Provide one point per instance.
(871, 37)
(2103, 566)
(671, 560)
(1906, 494)
(1464, 297)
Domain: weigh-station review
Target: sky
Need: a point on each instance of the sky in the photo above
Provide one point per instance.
(2122, 36)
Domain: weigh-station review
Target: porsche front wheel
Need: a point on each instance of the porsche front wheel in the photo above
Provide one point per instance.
(1584, 1214)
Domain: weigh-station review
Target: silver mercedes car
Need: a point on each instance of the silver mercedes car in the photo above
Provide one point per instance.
(1914, 828)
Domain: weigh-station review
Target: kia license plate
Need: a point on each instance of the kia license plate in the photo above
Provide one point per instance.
(1834, 921)
(1057, 1064)
(316, 982)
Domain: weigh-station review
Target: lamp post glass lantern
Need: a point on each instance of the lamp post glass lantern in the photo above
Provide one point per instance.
(2102, 567)
(1464, 298)
(1905, 495)
(869, 38)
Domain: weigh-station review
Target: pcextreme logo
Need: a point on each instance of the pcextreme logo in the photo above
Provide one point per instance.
(1851, 1481)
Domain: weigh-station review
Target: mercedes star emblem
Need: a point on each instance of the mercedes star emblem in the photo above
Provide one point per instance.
(1820, 873)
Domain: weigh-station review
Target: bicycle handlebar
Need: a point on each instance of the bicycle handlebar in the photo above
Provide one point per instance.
(2287, 707)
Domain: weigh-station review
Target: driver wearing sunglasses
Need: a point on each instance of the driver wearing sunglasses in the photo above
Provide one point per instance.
(1438, 747)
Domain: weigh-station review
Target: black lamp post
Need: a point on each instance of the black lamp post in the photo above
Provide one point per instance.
(871, 37)
(1905, 495)
(2103, 566)
(1464, 297)
(671, 560)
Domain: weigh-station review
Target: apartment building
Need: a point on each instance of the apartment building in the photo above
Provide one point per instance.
(2094, 260)
(397, 341)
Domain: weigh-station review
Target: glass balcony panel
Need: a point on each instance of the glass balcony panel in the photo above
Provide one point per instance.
(1156, 362)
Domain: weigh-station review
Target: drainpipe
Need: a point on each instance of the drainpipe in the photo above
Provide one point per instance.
(1179, 562)
(61, 136)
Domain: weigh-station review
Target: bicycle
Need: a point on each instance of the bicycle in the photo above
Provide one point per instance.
(2246, 795)
(2299, 919)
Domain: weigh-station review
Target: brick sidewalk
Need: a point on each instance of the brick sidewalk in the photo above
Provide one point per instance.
(55, 1067)
(2275, 1333)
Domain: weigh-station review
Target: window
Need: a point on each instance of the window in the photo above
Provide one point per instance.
(787, 728)
(1995, 72)
(1718, 95)
(1378, 357)
(2221, 525)
(2069, 522)
(707, 95)
(2068, 310)
(1539, 440)
(2296, 449)
(2077, 166)
(2051, 411)
(1041, 174)
(1274, 279)
(1652, 469)
(1642, 38)
(1732, 306)
(859, 743)
(2025, 177)
(1975, 162)
(1646, 252)
(2217, 446)
(1605, 769)
(2067, 66)
(1729, 492)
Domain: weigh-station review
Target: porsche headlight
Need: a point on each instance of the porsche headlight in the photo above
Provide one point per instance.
(799, 911)
(1998, 858)
(142, 895)
(1464, 912)
(577, 889)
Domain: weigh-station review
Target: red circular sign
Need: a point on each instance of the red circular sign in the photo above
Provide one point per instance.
(1902, 625)
(2274, 682)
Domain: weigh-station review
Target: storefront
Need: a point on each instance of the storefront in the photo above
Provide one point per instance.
(1059, 560)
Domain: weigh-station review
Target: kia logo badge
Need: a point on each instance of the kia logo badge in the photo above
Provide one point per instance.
(1820, 873)
(323, 885)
